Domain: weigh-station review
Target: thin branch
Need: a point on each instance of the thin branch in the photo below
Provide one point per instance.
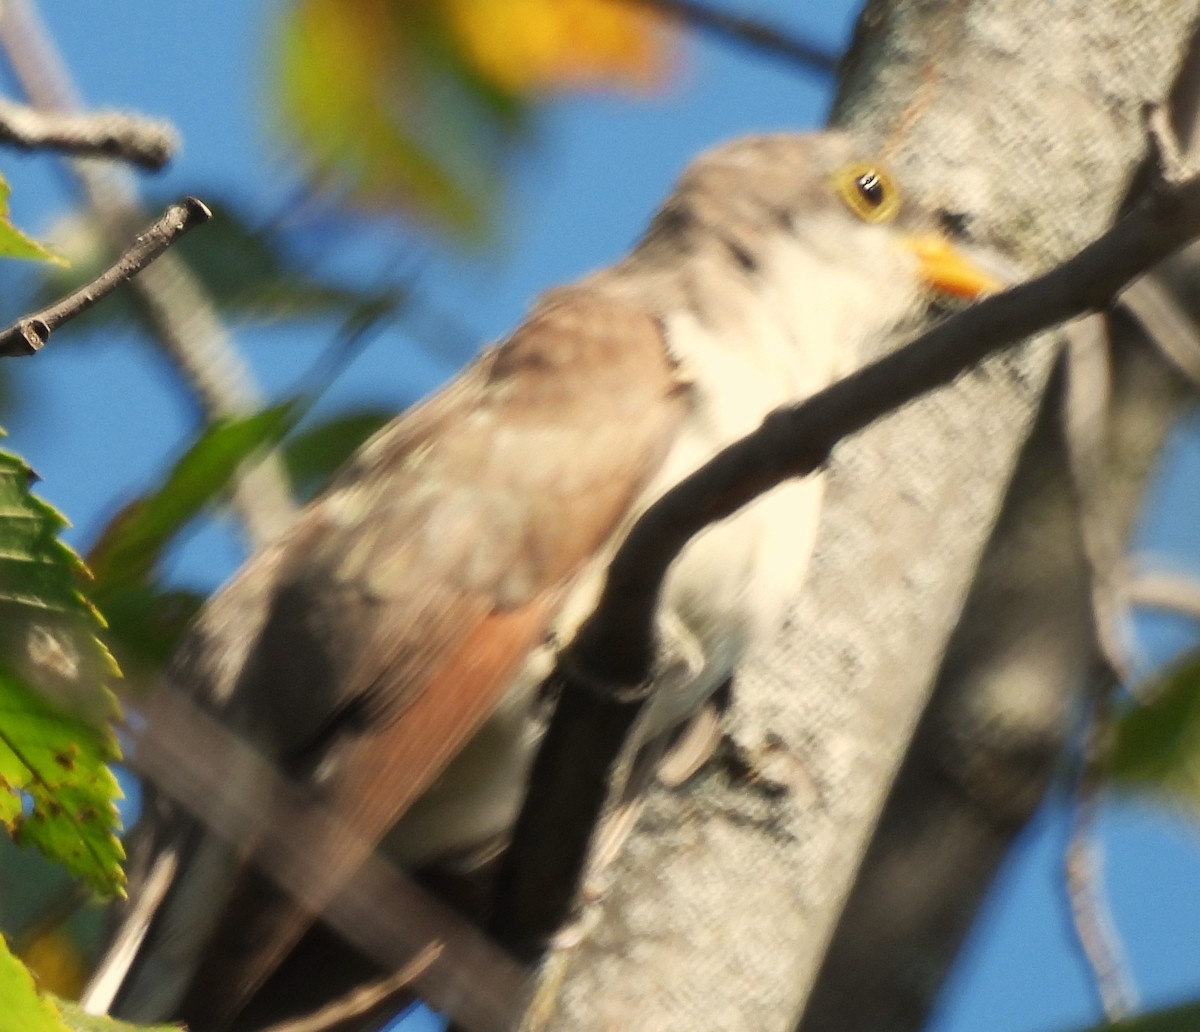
(180, 312)
(111, 134)
(1087, 420)
(363, 999)
(1165, 148)
(29, 334)
(1167, 592)
(1166, 323)
(748, 32)
(1171, 159)
(605, 672)
(1083, 863)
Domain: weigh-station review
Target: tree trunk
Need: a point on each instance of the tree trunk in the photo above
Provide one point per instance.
(1023, 121)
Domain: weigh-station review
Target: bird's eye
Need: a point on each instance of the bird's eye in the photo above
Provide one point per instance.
(868, 191)
(870, 188)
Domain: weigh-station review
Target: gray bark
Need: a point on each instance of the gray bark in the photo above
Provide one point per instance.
(989, 741)
(1024, 119)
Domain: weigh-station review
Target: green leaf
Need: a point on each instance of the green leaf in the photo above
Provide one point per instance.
(45, 912)
(145, 622)
(389, 114)
(60, 793)
(56, 793)
(78, 1021)
(131, 544)
(315, 454)
(14, 243)
(23, 1008)
(1157, 745)
(1185, 1018)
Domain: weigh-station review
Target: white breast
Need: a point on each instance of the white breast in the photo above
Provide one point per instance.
(729, 587)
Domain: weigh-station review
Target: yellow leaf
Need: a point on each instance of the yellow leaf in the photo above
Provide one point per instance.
(379, 116)
(541, 45)
(56, 963)
(412, 105)
(14, 243)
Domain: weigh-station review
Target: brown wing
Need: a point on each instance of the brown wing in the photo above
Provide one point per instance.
(406, 598)
(461, 523)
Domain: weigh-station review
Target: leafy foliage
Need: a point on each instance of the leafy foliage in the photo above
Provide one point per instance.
(48, 931)
(30, 1011)
(145, 620)
(23, 1008)
(1157, 745)
(542, 45)
(383, 107)
(55, 791)
(313, 455)
(77, 1021)
(412, 106)
(54, 957)
(133, 541)
(14, 243)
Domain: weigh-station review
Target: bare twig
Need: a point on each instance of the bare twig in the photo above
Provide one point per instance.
(1172, 158)
(112, 134)
(29, 334)
(364, 999)
(1166, 324)
(749, 32)
(1086, 423)
(1083, 863)
(382, 913)
(604, 672)
(1165, 146)
(1165, 591)
(180, 313)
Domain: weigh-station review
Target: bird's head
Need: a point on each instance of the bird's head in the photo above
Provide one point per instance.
(813, 224)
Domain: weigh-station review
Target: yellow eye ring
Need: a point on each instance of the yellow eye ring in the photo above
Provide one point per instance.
(869, 191)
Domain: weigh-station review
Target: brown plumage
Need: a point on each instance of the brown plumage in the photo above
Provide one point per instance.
(381, 650)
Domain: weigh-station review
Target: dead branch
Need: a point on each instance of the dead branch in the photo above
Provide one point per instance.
(107, 134)
(748, 32)
(29, 334)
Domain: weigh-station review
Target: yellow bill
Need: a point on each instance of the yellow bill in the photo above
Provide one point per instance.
(949, 271)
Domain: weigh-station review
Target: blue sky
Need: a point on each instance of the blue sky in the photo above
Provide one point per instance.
(99, 414)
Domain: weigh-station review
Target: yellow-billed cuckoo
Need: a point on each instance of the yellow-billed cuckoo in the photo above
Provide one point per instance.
(386, 650)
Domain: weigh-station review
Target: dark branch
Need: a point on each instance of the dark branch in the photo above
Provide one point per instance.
(604, 674)
(748, 32)
(28, 335)
(106, 134)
